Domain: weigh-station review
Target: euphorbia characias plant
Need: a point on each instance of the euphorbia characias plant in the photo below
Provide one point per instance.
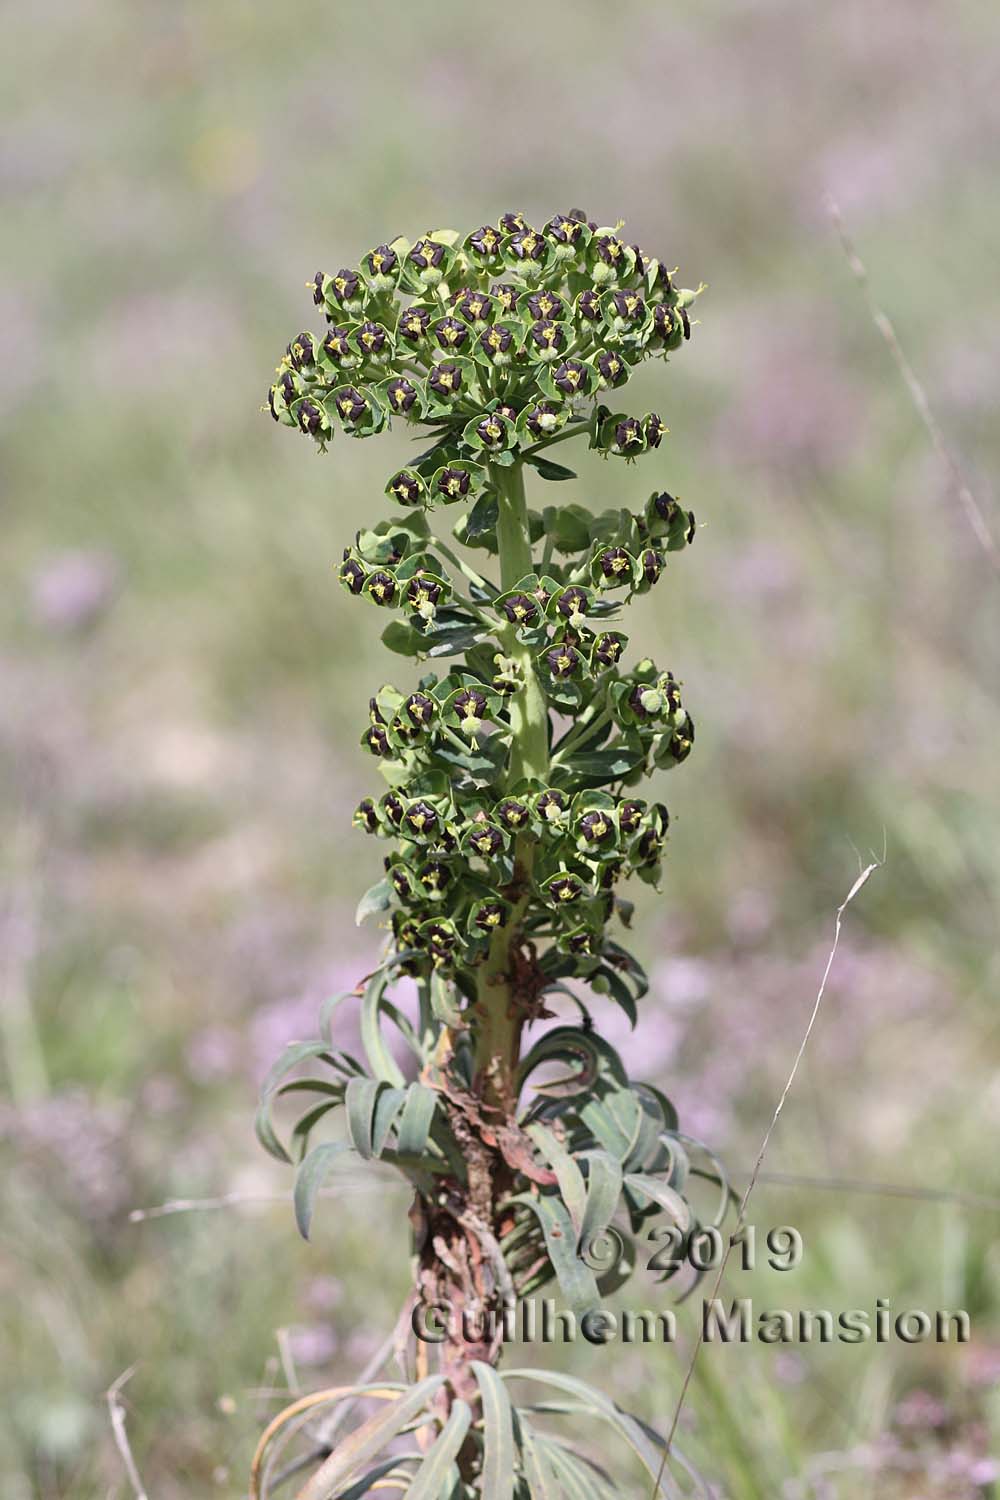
(511, 813)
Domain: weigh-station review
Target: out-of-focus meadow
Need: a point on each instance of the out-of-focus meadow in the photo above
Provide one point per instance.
(183, 686)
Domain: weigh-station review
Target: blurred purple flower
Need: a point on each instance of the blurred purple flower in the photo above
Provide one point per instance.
(797, 409)
(312, 1344)
(72, 590)
(214, 1052)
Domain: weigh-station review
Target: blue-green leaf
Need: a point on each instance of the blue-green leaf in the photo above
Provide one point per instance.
(429, 1482)
(576, 1280)
(380, 1060)
(360, 1100)
(309, 1179)
(415, 1122)
(362, 1445)
(497, 1477)
(570, 1178)
(294, 1054)
(377, 898)
(604, 1185)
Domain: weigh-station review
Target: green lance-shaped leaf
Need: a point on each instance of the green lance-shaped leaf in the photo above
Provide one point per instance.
(293, 1055)
(584, 1050)
(310, 1177)
(570, 1178)
(376, 899)
(578, 1480)
(497, 1476)
(380, 1059)
(370, 1439)
(543, 1483)
(434, 1478)
(361, 1103)
(646, 1446)
(576, 1280)
(389, 1469)
(604, 1186)
(414, 1127)
(658, 1191)
(387, 1108)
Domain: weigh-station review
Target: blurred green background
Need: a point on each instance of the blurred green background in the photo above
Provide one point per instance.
(183, 685)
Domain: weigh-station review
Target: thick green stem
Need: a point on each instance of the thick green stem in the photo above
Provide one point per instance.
(499, 1016)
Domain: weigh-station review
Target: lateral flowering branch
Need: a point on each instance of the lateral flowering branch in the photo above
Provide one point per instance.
(510, 809)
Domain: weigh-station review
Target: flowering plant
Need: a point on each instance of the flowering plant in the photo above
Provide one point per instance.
(511, 818)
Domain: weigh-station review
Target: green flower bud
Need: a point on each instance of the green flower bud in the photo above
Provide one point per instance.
(564, 889)
(546, 340)
(506, 297)
(519, 609)
(381, 588)
(654, 429)
(353, 573)
(483, 246)
(420, 710)
(552, 807)
(407, 487)
(338, 349)
(414, 326)
(607, 651)
(423, 595)
(365, 816)
(302, 351)
(563, 661)
(373, 343)
(498, 344)
(484, 841)
(475, 307)
(513, 814)
(611, 369)
(434, 877)
(376, 739)
(572, 378)
(381, 268)
(421, 820)
(346, 291)
(451, 333)
(490, 915)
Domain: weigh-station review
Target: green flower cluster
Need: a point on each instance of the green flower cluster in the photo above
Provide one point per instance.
(447, 748)
(496, 341)
(503, 342)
